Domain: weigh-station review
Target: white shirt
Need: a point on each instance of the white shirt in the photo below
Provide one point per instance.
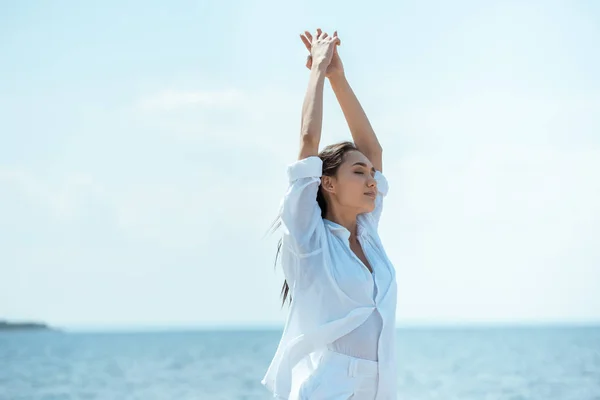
(363, 341)
(331, 295)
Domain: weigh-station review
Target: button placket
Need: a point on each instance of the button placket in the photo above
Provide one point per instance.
(372, 275)
(367, 273)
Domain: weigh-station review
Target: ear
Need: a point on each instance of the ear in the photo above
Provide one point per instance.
(328, 184)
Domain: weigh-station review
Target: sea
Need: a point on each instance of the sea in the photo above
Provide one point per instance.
(466, 363)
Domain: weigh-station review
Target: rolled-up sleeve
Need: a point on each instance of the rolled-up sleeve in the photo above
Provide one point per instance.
(300, 212)
(374, 216)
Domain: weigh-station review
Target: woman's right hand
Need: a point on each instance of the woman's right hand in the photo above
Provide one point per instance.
(321, 49)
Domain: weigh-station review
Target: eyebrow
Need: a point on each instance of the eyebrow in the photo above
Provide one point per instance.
(363, 165)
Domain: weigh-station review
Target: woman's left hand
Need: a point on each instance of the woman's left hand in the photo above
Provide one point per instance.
(335, 68)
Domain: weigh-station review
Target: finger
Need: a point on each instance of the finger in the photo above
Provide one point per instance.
(308, 35)
(306, 42)
(335, 35)
(319, 33)
(324, 35)
(309, 63)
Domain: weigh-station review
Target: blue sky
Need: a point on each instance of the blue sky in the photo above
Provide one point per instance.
(143, 148)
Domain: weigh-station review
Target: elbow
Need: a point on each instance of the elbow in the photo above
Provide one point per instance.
(309, 146)
(376, 146)
(376, 149)
(310, 137)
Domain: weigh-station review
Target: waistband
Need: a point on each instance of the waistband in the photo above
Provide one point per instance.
(354, 366)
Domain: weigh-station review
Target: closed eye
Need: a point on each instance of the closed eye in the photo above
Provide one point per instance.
(362, 173)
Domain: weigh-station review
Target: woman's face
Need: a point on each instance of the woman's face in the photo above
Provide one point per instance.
(354, 186)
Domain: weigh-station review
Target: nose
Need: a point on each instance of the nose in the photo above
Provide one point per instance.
(372, 182)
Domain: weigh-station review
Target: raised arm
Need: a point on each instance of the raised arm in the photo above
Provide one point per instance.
(322, 47)
(300, 211)
(363, 134)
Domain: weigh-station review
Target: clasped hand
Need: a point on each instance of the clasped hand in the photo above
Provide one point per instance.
(323, 52)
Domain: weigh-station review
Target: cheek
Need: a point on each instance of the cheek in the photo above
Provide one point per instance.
(353, 189)
(353, 180)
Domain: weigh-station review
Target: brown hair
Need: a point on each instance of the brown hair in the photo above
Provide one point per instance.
(332, 157)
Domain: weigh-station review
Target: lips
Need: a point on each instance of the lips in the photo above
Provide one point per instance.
(371, 194)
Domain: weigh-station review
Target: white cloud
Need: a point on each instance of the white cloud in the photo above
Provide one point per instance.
(64, 199)
(168, 100)
(167, 214)
(265, 120)
(491, 115)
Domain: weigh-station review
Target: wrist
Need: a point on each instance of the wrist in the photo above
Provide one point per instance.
(319, 70)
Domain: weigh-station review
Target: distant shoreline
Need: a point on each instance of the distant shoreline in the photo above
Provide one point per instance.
(6, 326)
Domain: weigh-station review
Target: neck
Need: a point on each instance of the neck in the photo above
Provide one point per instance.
(347, 221)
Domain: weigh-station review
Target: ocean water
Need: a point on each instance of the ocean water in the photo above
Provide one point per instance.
(525, 363)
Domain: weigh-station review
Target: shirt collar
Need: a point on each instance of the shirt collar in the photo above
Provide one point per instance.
(343, 233)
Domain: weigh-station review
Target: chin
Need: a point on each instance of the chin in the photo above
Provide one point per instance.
(369, 208)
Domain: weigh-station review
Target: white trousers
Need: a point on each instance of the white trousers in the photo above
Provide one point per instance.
(341, 377)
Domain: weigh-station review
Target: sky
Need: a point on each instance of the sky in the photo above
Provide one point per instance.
(144, 144)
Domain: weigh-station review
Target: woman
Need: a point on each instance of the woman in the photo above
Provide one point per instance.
(339, 337)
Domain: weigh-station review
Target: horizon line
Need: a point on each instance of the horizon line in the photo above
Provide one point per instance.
(414, 324)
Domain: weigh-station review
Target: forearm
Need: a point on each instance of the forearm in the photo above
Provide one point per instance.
(312, 108)
(363, 134)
